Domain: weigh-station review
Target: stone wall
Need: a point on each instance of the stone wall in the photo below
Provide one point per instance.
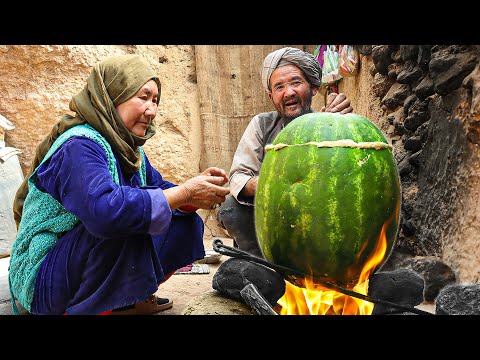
(430, 99)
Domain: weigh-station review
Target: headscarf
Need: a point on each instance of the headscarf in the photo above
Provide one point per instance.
(111, 82)
(288, 56)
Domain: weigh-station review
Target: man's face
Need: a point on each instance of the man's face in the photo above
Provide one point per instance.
(291, 93)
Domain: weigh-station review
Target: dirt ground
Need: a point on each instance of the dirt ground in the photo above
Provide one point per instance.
(183, 288)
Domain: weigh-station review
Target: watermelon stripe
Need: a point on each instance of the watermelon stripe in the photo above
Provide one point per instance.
(321, 202)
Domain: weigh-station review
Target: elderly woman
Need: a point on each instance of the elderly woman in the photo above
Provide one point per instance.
(98, 227)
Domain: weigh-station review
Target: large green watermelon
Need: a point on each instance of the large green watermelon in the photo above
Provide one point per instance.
(320, 207)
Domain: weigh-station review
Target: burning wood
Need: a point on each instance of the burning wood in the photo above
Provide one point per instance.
(252, 297)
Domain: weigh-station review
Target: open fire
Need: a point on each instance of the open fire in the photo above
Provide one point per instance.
(314, 299)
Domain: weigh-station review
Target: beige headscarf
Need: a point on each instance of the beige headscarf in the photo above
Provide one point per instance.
(111, 82)
(287, 55)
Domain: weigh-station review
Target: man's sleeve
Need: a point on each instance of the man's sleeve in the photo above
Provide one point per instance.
(247, 160)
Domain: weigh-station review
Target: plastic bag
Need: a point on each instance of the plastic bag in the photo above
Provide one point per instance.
(347, 60)
(330, 70)
(318, 53)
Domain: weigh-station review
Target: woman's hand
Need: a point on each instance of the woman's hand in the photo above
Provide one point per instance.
(215, 171)
(203, 191)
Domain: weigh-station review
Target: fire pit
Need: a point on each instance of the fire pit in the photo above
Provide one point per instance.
(319, 297)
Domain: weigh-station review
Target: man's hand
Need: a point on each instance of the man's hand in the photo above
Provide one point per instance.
(337, 103)
(250, 187)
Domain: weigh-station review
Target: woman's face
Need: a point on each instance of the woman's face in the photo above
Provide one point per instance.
(138, 112)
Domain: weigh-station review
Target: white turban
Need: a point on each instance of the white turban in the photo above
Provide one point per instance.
(287, 55)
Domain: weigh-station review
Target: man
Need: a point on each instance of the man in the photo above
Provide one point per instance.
(291, 78)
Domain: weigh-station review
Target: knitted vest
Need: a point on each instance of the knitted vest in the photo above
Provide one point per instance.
(45, 220)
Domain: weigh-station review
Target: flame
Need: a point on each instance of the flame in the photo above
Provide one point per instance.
(309, 300)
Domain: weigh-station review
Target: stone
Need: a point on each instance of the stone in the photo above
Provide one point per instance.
(234, 274)
(434, 271)
(458, 299)
(402, 286)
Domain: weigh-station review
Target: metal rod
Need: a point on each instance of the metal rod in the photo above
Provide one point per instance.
(218, 246)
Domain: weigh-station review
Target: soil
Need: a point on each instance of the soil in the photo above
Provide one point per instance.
(184, 289)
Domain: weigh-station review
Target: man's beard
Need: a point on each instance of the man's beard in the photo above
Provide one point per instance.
(306, 109)
(302, 112)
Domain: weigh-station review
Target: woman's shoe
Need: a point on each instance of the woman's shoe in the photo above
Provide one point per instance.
(152, 305)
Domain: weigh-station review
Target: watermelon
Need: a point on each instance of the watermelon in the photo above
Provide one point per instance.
(327, 187)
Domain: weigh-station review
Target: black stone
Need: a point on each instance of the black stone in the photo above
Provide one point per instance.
(434, 271)
(402, 286)
(409, 101)
(404, 167)
(413, 144)
(414, 159)
(449, 70)
(424, 55)
(410, 73)
(409, 228)
(425, 88)
(234, 274)
(457, 299)
(396, 96)
(408, 52)
(381, 56)
(422, 132)
(415, 119)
